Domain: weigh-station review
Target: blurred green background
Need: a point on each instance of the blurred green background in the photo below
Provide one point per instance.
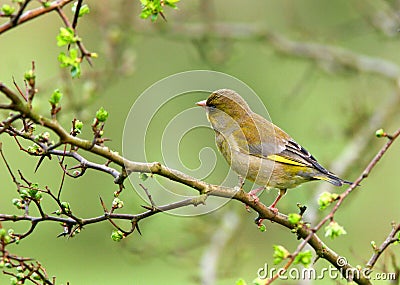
(324, 105)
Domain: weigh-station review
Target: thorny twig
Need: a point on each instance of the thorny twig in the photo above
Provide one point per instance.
(330, 216)
(391, 238)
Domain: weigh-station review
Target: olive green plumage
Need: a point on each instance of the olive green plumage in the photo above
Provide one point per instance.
(257, 149)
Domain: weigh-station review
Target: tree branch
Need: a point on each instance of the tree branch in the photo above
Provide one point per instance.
(20, 11)
(316, 243)
(391, 238)
(329, 57)
(357, 146)
(205, 189)
(29, 15)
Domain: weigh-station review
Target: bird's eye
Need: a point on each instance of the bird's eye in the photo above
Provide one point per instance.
(212, 106)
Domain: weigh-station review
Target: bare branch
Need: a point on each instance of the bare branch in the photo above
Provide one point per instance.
(10, 95)
(316, 243)
(85, 53)
(329, 57)
(7, 165)
(7, 123)
(20, 11)
(152, 203)
(391, 238)
(335, 57)
(76, 15)
(357, 147)
(29, 15)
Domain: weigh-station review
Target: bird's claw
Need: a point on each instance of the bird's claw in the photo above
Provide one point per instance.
(254, 197)
(273, 209)
(255, 200)
(253, 194)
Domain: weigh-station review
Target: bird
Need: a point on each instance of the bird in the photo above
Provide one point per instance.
(258, 150)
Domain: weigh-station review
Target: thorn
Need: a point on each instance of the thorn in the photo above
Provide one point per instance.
(137, 227)
(103, 205)
(75, 167)
(162, 15)
(63, 234)
(39, 162)
(147, 207)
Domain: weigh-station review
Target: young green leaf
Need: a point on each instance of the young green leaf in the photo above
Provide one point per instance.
(334, 230)
(373, 244)
(78, 126)
(117, 203)
(171, 3)
(153, 8)
(66, 207)
(3, 233)
(280, 253)
(30, 76)
(117, 235)
(7, 9)
(101, 115)
(19, 203)
(326, 198)
(82, 11)
(66, 36)
(380, 133)
(55, 98)
(294, 218)
(262, 228)
(304, 258)
(72, 61)
(33, 149)
(240, 282)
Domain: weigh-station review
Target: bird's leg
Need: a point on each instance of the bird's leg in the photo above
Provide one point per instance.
(241, 182)
(253, 193)
(282, 192)
(272, 207)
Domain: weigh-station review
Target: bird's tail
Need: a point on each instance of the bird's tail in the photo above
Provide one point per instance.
(332, 178)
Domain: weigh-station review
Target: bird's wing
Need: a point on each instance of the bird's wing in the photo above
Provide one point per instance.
(289, 155)
(298, 153)
(262, 138)
(279, 147)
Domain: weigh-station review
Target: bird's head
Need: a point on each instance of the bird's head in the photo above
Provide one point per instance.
(226, 110)
(227, 101)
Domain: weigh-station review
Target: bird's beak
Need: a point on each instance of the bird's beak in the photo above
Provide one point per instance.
(202, 103)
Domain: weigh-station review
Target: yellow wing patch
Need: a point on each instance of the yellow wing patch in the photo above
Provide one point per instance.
(282, 159)
(324, 178)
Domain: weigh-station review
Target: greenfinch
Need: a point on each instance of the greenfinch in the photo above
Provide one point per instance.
(258, 150)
